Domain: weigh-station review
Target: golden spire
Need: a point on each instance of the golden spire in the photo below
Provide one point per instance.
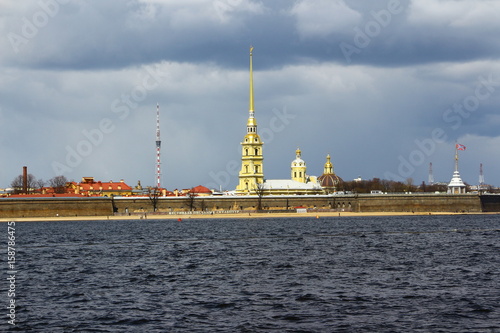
(251, 123)
(250, 106)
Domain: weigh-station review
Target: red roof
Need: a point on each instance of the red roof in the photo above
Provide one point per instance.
(103, 186)
(200, 190)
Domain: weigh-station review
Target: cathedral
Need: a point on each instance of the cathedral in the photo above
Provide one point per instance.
(251, 175)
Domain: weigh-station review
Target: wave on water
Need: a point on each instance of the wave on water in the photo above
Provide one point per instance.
(339, 274)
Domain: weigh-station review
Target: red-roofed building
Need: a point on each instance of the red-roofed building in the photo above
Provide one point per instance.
(89, 187)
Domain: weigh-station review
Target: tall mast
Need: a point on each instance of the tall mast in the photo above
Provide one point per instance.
(481, 175)
(431, 175)
(250, 105)
(158, 147)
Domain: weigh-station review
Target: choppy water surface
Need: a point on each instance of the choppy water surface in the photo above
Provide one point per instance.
(377, 274)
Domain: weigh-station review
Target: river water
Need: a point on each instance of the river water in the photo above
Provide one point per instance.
(337, 274)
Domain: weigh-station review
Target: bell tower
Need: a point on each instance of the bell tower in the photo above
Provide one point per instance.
(251, 173)
(299, 168)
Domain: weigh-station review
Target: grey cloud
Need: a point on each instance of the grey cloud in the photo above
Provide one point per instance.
(366, 114)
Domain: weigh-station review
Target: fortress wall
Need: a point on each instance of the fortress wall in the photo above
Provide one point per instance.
(124, 205)
(48, 207)
(490, 203)
(419, 203)
(359, 203)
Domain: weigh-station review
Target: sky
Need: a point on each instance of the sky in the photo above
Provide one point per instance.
(385, 87)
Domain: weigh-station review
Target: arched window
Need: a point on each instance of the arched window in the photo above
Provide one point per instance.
(256, 151)
(246, 151)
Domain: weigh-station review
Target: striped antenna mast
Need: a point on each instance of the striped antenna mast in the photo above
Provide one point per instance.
(158, 147)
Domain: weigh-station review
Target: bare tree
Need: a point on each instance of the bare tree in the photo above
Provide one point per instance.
(409, 184)
(190, 200)
(17, 183)
(40, 183)
(58, 183)
(259, 190)
(154, 194)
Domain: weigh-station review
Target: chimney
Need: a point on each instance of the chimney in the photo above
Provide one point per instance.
(25, 179)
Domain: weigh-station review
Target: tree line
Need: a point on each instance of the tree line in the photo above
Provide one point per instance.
(58, 183)
(391, 186)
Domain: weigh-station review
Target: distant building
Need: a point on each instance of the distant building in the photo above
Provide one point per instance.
(200, 191)
(89, 187)
(290, 187)
(299, 184)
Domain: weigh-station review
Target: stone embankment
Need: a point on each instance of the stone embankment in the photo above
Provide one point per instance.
(103, 206)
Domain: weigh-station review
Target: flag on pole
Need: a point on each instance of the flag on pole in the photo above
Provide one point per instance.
(460, 147)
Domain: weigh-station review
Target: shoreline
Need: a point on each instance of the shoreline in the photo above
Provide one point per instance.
(230, 216)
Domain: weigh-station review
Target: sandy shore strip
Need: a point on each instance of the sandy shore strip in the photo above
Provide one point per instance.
(230, 216)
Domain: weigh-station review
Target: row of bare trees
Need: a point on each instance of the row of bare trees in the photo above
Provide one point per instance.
(154, 194)
(391, 186)
(58, 183)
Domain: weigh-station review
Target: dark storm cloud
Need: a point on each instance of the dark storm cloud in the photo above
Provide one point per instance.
(411, 62)
(102, 34)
